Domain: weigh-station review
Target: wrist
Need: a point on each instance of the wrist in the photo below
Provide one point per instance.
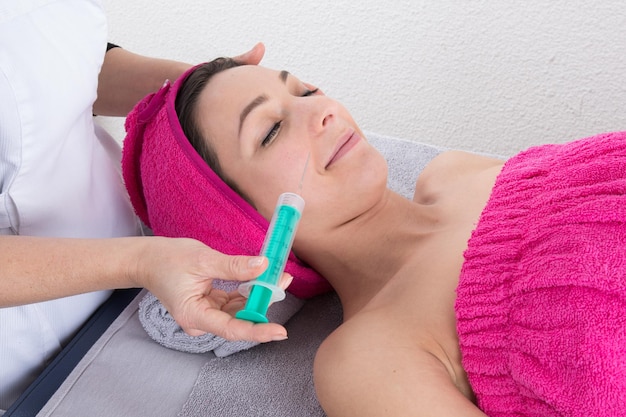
(137, 261)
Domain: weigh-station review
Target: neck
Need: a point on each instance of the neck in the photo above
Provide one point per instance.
(360, 257)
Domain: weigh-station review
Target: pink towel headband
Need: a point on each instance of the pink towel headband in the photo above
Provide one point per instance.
(176, 194)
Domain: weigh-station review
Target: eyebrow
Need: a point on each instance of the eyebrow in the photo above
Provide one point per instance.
(259, 100)
(253, 104)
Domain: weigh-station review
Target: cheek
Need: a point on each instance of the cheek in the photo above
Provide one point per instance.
(333, 201)
(264, 186)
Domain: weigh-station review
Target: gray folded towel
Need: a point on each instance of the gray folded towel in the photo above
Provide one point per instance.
(162, 327)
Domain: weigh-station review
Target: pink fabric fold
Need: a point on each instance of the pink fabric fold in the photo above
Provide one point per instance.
(176, 194)
(541, 305)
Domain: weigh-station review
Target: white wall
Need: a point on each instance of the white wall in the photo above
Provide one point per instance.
(486, 75)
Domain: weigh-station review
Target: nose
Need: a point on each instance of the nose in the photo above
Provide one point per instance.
(322, 111)
(318, 119)
(327, 116)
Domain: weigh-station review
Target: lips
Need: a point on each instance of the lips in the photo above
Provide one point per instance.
(345, 143)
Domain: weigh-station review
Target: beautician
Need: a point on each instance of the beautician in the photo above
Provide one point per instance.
(68, 234)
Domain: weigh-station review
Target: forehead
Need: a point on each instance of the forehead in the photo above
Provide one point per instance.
(228, 92)
(226, 95)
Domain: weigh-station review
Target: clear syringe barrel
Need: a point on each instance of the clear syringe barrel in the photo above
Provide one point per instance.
(276, 247)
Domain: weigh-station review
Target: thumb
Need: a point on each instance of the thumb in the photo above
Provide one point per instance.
(253, 56)
(243, 268)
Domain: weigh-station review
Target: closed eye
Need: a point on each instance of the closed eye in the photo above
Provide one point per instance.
(271, 135)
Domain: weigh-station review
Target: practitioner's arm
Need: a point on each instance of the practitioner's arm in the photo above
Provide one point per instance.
(177, 271)
(126, 78)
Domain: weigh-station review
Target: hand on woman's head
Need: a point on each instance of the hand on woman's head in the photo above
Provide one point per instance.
(253, 56)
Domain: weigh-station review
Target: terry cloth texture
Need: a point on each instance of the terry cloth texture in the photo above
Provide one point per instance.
(176, 194)
(162, 327)
(541, 304)
(273, 379)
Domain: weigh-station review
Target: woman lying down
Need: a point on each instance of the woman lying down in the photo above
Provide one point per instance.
(499, 290)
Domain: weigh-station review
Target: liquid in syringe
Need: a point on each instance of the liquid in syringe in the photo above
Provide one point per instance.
(264, 290)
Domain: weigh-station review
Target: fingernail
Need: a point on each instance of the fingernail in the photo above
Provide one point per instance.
(255, 262)
(279, 337)
(287, 282)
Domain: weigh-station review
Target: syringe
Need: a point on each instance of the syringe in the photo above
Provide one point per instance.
(276, 247)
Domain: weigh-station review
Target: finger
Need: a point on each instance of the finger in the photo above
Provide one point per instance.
(236, 306)
(233, 267)
(253, 56)
(224, 325)
(285, 280)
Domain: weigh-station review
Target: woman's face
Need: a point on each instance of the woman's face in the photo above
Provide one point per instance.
(264, 125)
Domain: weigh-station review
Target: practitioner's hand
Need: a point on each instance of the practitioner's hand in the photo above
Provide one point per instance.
(180, 272)
(253, 56)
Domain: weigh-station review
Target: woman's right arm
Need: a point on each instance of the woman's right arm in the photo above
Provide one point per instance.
(177, 271)
(374, 375)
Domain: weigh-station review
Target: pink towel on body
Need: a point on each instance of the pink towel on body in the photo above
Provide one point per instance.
(541, 303)
(176, 194)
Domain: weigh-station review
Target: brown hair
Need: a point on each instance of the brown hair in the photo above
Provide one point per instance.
(186, 109)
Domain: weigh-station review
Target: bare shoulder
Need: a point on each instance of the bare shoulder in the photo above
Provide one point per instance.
(453, 168)
(360, 370)
(452, 163)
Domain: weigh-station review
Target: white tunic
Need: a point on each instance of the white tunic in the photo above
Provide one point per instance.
(59, 173)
